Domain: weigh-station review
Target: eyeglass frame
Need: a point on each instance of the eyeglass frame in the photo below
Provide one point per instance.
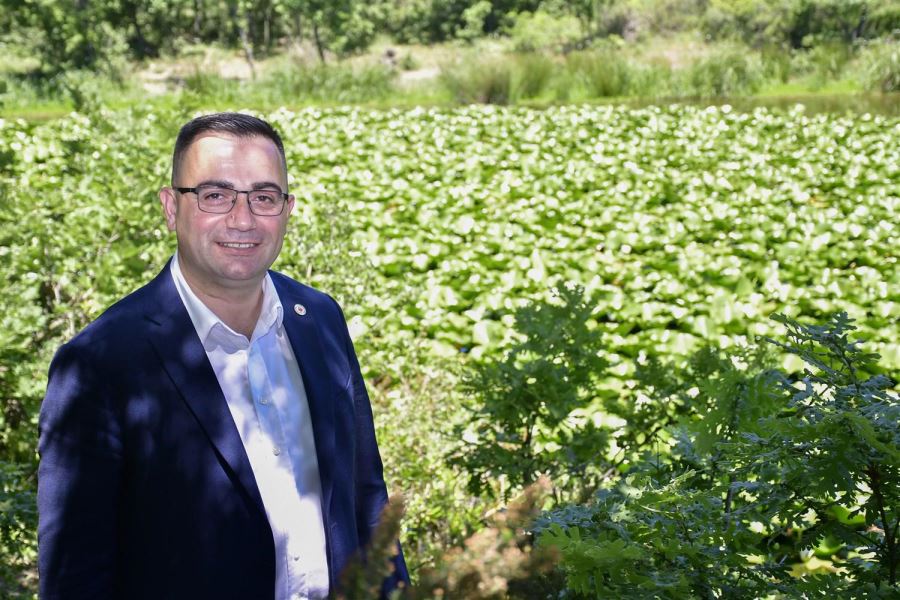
(193, 190)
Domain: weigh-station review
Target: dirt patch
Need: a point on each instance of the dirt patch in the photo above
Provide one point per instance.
(164, 76)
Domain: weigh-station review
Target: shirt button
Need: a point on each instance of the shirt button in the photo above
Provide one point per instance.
(296, 557)
(276, 450)
(264, 400)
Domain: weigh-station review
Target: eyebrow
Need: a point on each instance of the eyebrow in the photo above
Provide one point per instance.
(259, 185)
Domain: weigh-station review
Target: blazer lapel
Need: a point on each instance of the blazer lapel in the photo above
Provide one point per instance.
(303, 334)
(184, 359)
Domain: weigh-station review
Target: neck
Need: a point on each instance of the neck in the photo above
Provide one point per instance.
(239, 313)
(238, 308)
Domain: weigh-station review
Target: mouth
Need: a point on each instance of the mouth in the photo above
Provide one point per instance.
(238, 245)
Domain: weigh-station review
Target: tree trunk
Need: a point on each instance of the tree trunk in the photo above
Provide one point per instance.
(319, 48)
(267, 27)
(248, 46)
(198, 18)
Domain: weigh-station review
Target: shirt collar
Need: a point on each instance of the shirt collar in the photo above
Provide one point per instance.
(210, 327)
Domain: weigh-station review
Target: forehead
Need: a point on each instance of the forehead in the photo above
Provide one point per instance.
(220, 154)
(215, 144)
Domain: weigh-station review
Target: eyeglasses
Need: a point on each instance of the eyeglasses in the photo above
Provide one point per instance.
(220, 200)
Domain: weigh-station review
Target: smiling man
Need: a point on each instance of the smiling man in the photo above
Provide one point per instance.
(210, 435)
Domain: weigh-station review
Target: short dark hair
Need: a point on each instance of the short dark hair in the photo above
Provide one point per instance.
(236, 124)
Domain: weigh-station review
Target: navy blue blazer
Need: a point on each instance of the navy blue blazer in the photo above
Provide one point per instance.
(144, 487)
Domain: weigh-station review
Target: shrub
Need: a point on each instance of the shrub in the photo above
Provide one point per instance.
(798, 23)
(829, 60)
(520, 426)
(881, 67)
(18, 521)
(473, 19)
(539, 30)
(776, 62)
(884, 19)
(755, 22)
(769, 479)
(497, 562)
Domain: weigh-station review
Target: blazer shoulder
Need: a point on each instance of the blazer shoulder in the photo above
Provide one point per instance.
(126, 318)
(291, 290)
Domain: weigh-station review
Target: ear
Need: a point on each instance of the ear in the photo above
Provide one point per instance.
(290, 205)
(169, 205)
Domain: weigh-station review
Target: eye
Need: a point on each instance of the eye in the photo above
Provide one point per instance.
(265, 197)
(214, 195)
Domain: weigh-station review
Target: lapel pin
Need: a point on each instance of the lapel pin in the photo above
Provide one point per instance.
(300, 309)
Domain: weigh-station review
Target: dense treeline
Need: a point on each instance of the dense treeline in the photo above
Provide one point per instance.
(93, 34)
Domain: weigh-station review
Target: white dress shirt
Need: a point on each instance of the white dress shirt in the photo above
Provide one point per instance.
(264, 390)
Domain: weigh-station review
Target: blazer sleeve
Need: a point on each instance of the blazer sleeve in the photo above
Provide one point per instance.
(80, 446)
(371, 491)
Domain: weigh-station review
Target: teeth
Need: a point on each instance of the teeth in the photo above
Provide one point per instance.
(236, 245)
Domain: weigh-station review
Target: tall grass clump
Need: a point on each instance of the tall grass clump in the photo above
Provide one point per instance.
(881, 67)
(822, 63)
(776, 63)
(81, 89)
(730, 73)
(597, 74)
(210, 85)
(487, 81)
(532, 75)
(340, 84)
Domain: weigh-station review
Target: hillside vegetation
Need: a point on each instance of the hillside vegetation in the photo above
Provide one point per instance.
(286, 53)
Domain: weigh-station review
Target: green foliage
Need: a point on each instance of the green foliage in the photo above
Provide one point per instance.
(433, 226)
(731, 73)
(541, 31)
(533, 76)
(824, 62)
(69, 37)
(485, 81)
(474, 18)
(335, 83)
(523, 424)
(845, 424)
(769, 485)
(18, 520)
(100, 36)
(881, 67)
(601, 74)
(799, 23)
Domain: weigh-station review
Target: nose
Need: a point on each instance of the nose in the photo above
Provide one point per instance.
(240, 216)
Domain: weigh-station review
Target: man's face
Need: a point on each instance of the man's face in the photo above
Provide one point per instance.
(222, 253)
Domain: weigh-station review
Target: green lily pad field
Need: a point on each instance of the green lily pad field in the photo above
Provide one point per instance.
(686, 225)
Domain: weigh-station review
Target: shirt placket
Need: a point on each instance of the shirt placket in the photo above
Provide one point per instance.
(269, 421)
